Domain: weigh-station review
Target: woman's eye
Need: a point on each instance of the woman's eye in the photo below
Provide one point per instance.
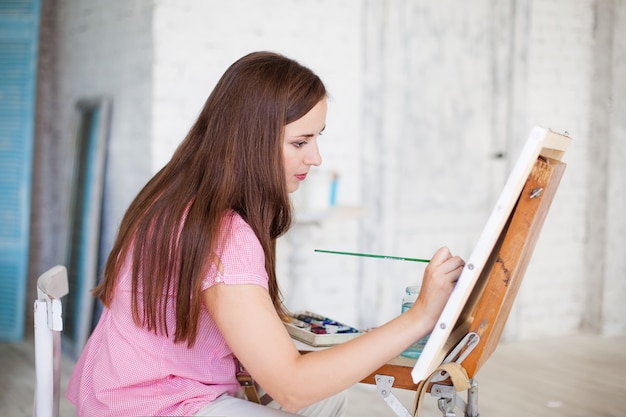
(299, 143)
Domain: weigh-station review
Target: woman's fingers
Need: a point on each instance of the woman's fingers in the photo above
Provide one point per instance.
(444, 263)
(442, 255)
(453, 265)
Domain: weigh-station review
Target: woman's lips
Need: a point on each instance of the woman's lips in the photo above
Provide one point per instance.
(301, 177)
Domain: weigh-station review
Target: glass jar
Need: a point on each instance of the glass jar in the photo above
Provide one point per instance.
(415, 350)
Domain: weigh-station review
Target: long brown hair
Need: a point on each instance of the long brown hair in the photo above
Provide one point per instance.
(230, 159)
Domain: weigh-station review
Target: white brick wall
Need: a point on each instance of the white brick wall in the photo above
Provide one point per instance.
(423, 95)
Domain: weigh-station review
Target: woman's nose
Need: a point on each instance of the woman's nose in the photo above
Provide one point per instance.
(313, 157)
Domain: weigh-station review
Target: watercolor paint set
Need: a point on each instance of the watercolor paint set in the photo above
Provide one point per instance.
(317, 330)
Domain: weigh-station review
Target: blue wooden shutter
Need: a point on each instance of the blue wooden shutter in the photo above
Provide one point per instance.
(19, 31)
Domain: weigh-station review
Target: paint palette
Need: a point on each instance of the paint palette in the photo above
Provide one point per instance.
(317, 330)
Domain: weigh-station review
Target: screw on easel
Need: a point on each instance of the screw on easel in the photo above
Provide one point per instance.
(536, 192)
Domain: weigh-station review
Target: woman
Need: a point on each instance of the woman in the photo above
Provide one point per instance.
(193, 266)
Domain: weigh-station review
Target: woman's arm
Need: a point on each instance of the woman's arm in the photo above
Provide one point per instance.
(246, 318)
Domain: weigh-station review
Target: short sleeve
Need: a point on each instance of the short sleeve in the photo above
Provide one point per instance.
(241, 255)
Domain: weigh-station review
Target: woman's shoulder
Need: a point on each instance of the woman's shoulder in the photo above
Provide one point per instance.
(238, 233)
(234, 223)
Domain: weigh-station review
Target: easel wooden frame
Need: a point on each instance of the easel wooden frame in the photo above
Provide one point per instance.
(491, 297)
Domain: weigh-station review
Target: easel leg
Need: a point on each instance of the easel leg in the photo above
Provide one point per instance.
(472, 400)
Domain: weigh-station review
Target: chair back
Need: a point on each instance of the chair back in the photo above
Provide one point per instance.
(52, 285)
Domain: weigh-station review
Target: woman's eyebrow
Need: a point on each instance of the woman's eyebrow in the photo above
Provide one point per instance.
(310, 135)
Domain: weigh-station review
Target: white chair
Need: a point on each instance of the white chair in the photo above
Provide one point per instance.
(51, 286)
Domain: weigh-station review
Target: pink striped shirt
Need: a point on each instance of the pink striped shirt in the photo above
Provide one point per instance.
(126, 370)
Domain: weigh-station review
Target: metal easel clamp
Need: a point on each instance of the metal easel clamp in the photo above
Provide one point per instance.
(384, 383)
(458, 354)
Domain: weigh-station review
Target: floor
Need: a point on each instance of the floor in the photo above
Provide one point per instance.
(576, 376)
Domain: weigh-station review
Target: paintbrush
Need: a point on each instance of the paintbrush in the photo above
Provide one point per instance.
(369, 255)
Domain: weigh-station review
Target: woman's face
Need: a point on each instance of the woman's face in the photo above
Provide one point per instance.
(300, 149)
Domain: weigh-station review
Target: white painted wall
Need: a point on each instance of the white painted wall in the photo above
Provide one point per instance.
(559, 82)
(609, 255)
(423, 95)
(105, 48)
(613, 322)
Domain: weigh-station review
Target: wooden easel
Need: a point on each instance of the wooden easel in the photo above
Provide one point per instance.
(478, 329)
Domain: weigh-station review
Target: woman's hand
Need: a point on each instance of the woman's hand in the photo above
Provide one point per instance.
(439, 278)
